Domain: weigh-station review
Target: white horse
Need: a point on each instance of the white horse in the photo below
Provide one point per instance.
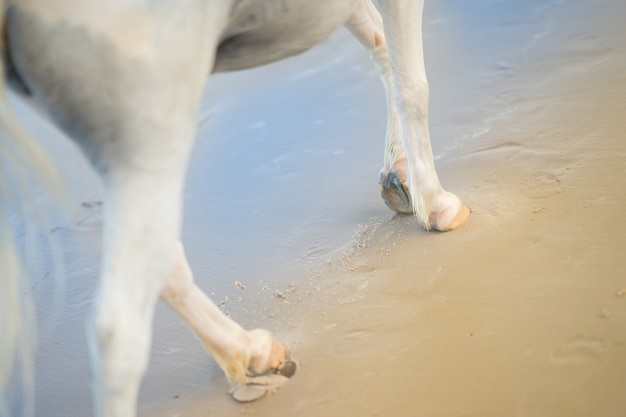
(123, 78)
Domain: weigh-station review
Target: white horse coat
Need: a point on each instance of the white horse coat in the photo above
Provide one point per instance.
(124, 78)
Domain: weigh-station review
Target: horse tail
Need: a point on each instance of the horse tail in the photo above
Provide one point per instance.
(21, 161)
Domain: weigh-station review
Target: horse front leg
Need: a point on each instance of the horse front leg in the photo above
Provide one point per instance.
(366, 24)
(409, 179)
(254, 362)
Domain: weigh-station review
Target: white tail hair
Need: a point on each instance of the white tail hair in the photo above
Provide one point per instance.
(21, 158)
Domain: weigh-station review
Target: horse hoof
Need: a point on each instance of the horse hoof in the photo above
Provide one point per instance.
(395, 188)
(271, 366)
(450, 214)
(259, 386)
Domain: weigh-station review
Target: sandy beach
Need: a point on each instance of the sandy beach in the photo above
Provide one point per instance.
(521, 312)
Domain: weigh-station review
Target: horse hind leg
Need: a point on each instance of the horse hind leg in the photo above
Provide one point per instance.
(142, 224)
(140, 232)
(143, 260)
(133, 112)
(255, 363)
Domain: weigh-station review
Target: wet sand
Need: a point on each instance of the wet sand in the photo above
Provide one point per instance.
(521, 312)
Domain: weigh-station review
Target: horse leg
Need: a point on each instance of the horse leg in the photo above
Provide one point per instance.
(409, 179)
(131, 106)
(254, 362)
(366, 25)
(141, 229)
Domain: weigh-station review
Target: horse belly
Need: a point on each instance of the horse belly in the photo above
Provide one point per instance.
(262, 31)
